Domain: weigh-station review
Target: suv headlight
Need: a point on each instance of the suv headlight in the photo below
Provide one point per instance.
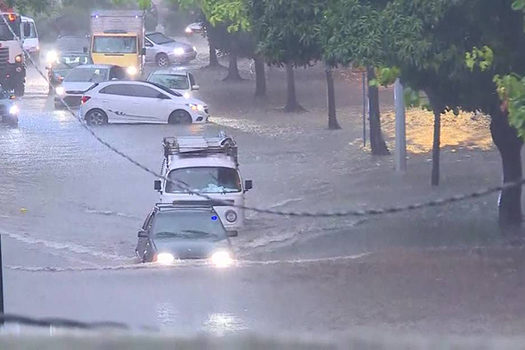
(165, 258)
(51, 56)
(60, 91)
(221, 259)
(231, 216)
(14, 110)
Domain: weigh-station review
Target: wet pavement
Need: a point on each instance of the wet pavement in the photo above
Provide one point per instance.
(72, 209)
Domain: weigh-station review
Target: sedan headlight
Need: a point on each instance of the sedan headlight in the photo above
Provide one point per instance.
(196, 107)
(221, 259)
(14, 110)
(132, 70)
(178, 51)
(165, 258)
(60, 91)
(186, 95)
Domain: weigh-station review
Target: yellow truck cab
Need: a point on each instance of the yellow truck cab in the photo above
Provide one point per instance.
(117, 38)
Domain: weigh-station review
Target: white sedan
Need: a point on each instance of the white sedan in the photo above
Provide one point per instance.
(139, 102)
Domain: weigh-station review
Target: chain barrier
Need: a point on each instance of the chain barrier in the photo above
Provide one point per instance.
(310, 214)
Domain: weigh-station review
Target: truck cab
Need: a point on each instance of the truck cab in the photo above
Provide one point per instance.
(208, 166)
(117, 38)
(12, 67)
(31, 41)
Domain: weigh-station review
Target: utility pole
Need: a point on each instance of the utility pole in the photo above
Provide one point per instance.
(401, 142)
(365, 103)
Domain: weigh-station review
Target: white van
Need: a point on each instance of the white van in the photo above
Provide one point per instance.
(31, 42)
(210, 167)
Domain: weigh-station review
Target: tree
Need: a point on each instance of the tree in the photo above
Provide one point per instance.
(350, 33)
(434, 61)
(287, 36)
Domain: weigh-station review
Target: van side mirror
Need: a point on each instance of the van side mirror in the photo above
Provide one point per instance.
(248, 185)
(142, 234)
(27, 30)
(143, 51)
(195, 87)
(157, 185)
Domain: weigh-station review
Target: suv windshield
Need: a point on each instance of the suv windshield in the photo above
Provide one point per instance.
(188, 225)
(95, 75)
(172, 81)
(115, 44)
(159, 38)
(205, 180)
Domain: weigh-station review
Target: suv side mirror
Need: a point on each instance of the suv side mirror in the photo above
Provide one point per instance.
(143, 51)
(195, 87)
(248, 185)
(142, 234)
(157, 185)
(85, 49)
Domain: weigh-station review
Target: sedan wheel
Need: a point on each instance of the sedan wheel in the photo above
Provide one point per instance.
(163, 60)
(96, 117)
(180, 117)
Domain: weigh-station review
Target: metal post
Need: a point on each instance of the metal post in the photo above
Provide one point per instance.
(1, 282)
(401, 143)
(364, 108)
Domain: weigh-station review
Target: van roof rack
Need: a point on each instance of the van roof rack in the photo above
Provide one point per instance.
(200, 146)
(185, 205)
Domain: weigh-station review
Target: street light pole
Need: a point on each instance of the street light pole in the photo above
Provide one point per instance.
(401, 143)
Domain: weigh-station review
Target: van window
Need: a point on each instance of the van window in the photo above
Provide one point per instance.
(33, 34)
(204, 180)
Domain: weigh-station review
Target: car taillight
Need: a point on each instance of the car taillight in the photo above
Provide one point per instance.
(84, 99)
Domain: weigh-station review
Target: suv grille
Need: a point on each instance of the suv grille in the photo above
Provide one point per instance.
(4, 57)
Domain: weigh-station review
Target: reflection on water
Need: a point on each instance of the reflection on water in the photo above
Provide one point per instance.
(166, 314)
(220, 323)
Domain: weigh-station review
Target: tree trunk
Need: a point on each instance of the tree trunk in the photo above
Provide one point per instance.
(260, 77)
(214, 61)
(509, 145)
(377, 142)
(436, 145)
(332, 117)
(291, 100)
(233, 69)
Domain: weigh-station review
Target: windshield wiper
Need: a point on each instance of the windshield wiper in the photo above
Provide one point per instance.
(198, 232)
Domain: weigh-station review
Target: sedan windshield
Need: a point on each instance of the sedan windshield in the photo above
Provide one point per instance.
(72, 61)
(92, 75)
(159, 38)
(172, 81)
(204, 180)
(188, 225)
(115, 44)
(72, 43)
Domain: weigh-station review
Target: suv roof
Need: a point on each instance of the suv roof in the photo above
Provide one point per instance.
(196, 205)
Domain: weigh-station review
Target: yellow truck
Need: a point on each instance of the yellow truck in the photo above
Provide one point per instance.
(117, 37)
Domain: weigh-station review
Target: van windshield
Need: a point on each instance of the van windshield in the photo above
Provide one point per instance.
(204, 180)
(115, 44)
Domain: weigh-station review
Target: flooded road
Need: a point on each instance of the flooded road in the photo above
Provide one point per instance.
(72, 209)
